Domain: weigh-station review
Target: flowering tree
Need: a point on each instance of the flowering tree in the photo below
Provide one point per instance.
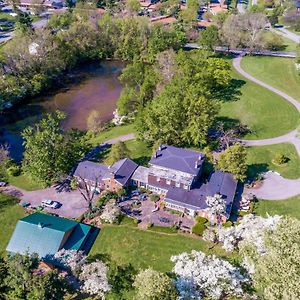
(111, 212)
(153, 285)
(70, 259)
(94, 279)
(276, 272)
(200, 276)
(216, 206)
(250, 230)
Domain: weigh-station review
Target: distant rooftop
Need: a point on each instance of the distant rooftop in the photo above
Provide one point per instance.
(178, 159)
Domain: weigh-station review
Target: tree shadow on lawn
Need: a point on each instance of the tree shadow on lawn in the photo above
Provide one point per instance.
(255, 169)
(232, 92)
(7, 201)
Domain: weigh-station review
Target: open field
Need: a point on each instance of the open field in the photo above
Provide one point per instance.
(10, 213)
(267, 114)
(260, 159)
(278, 72)
(145, 249)
(288, 207)
(24, 182)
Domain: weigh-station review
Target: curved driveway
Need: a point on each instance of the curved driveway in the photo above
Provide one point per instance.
(290, 137)
(274, 187)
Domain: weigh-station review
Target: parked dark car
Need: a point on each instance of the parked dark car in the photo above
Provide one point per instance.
(164, 220)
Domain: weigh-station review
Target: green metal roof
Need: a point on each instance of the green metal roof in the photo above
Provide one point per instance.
(44, 234)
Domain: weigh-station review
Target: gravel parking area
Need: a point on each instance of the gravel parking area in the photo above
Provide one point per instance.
(73, 204)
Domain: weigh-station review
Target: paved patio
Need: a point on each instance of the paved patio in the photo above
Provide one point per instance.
(73, 204)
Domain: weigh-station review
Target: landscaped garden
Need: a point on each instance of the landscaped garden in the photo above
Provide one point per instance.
(145, 249)
(278, 72)
(261, 159)
(10, 213)
(261, 110)
(288, 207)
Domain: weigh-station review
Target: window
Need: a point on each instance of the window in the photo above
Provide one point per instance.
(177, 184)
(168, 182)
(185, 187)
(158, 179)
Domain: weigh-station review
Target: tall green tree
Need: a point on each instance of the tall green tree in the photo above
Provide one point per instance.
(49, 152)
(233, 160)
(23, 21)
(209, 38)
(118, 151)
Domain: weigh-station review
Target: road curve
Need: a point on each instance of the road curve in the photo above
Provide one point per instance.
(290, 137)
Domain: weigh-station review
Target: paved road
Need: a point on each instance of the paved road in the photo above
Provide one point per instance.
(290, 137)
(246, 51)
(287, 34)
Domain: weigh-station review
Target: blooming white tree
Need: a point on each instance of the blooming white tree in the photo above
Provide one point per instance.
(199, 275)
(216, 206)
(111, 212)
(70, 259)
(94, 279)
(250, 230)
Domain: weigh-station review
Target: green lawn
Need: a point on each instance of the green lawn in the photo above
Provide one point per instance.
(144, 249)
(267, 114)
(278, 72)
(289, 207)
(112, 133)
(288, 45)
(260, 159)
(10, 213)
(24, 182)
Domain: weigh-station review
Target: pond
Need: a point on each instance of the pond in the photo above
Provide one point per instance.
(92, 87)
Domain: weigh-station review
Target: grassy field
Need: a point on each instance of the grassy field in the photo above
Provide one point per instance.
(260, 159)
(267, 114)
(10, 213)
(24, 182)
(288, 207)
(144, 249)
(112, 133)
(276, 71)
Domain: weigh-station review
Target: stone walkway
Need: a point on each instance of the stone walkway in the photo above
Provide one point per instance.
(274, 187)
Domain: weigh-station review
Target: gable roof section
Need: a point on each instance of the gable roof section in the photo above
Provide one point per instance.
(178, 159)
(91, 171)
(45, 235)
(123, 170)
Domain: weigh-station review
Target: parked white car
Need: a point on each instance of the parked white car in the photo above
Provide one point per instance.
(3, 183)
(51, 204)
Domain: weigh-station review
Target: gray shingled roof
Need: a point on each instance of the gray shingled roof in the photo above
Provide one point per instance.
(178, 159)
(91, 171)
(219, 183)
(123, 169)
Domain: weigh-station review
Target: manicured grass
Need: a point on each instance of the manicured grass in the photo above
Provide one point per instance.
(112, 133)
(145, 249)
(278, 72)
(267, 114)
(24, 182)
(260, 159)
(10, 213)
(289, 207)
(288, 45)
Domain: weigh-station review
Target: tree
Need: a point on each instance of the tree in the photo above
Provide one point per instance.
(231, 34)
(94, 279)
(4, 160)
(70, 259)
(277, 273)
(111, 212)
(88, 190)
(49, 152)
(233, 160)
(3, 275)
(117, 152)
(153, 285)
(200, 276)
(133, 6)
(23, 21)
(209, 38)
(94, 122)
(216, 207)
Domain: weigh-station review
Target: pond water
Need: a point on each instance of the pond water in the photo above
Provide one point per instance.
(92, 87)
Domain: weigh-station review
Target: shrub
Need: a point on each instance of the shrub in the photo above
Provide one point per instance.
(162, 204)
(136, 221)
(280, 159)
(154, 197)
(198, 228)
(73, 184)
(227, 224)
(150, 225)
(14, 170)
(200, 219)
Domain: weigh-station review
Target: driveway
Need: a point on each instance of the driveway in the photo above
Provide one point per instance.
(73, 204)
(275, 187)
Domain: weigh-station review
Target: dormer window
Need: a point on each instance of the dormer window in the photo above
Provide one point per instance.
(168, 182)
(158, 179)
